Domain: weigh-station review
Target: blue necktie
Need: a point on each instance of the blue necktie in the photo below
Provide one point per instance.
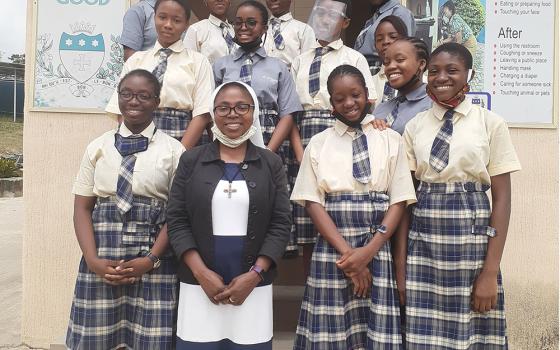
(127, 147)
(246, 73)
(390, 119)
(362, 36)
(439, 155)
(227, 36)
(388, 92)
(315, 70)
(278, 38)
(160, 69)
(361, 169)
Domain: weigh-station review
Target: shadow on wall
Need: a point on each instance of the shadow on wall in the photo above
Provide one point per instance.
(532, 316)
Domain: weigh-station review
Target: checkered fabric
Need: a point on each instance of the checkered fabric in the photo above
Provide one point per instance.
(439, 155)
(361, 168)
(362, 36)
(447, 246)
(310, 123)
(388, 92)
(246, 73)
(127, 147)
(315, 70)
(174, 122)
(160, 69)
(331, 317)
(390, 119)
(227, 37)
(136, 316)
(278, 38)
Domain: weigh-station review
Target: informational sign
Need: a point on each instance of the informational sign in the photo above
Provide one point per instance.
(512, 44)
(78, 58)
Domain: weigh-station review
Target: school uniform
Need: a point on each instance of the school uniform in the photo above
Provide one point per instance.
(384, 91)
(186, 86)
(211, 37)
(139, 30)
(139, 315)
(288, 38)
(398, 111)
(331, 317)
(317, 115)
(450, 226)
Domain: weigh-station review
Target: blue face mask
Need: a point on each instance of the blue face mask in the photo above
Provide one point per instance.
(131, 144)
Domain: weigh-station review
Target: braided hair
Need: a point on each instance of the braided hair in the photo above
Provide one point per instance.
(345, 70)
(457, 50)
(422, 51)
(260, 7)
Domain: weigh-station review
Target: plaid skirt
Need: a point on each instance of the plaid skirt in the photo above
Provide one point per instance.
(446, 251)
(137, 316)
(331, 317)
(174, 122)
(310, 124)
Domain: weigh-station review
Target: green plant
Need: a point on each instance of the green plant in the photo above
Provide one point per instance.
(473, 13)
(8, 168)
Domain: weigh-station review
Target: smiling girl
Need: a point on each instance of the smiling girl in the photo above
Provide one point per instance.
(185, 76)
(457, 151)
(355, 185)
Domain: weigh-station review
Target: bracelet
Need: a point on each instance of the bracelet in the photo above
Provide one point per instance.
(258, 270)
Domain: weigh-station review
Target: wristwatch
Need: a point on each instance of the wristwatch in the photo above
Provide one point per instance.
(259, 270)
(153, 258)
(381, 229)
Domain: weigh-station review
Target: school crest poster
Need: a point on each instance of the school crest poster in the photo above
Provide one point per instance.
(78, 58)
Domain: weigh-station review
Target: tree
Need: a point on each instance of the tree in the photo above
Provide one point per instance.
(473, 13)
(17, 58)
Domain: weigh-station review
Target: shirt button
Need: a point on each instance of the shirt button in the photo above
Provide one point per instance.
(255, 211)
(250, 259)
(245, 166)
(252, 184)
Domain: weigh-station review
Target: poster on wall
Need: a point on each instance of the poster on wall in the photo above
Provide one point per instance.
(512, 44)
(78, 58)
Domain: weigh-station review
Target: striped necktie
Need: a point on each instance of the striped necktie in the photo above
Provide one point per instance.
(315, 70)
(388, 92)
(278, 38)
(390, 119)
(227, 36)
(439, 155)
(361, 169)
(362, 36)
(127, 147)
(160, 69)
(246, 73)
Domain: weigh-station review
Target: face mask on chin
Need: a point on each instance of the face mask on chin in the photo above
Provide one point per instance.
(355, 123)
(250, 45)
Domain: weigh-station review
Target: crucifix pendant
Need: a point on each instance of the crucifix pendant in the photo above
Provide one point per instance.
(229, 190)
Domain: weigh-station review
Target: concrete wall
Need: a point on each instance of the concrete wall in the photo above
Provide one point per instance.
(54, 144)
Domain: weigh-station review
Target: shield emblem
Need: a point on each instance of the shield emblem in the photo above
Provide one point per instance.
(82, 55)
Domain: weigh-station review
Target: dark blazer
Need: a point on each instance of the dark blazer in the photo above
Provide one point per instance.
(189, 213)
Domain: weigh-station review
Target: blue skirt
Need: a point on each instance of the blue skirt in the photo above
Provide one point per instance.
(331, 317)
(137, 316)
(447, 247)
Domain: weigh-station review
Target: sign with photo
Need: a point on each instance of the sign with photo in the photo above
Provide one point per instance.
(78, 58)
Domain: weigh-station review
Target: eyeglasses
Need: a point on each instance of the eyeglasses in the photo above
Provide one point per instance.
(239, 109)
(250, 23)
(141, 96)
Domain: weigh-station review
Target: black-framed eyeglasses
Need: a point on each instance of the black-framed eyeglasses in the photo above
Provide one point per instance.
(249, 23)
(239, 109)
(141, 96)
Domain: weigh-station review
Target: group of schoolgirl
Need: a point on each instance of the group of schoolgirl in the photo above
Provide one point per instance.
(382, 273)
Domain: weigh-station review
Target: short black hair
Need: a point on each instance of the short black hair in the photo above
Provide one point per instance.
(152, 80)
(422, 51)
(451, 6)
(184, 4)
(252, 3)
(397, 23)
(455, 49)
(348, 7)
(344, 70)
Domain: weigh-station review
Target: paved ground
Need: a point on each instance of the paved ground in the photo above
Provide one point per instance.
(11, 235)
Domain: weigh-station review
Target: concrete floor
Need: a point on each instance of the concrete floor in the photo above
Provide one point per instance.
(11, 237)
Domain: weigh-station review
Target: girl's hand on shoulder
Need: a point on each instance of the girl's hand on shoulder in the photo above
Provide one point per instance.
(362, 283)
(354, 261)
(239, 289)
(212, 284)
(380, 124)
(484, 295)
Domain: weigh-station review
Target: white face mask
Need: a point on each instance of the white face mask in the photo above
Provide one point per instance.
(445, 19)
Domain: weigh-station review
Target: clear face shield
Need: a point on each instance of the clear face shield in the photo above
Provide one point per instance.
(326, 18)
